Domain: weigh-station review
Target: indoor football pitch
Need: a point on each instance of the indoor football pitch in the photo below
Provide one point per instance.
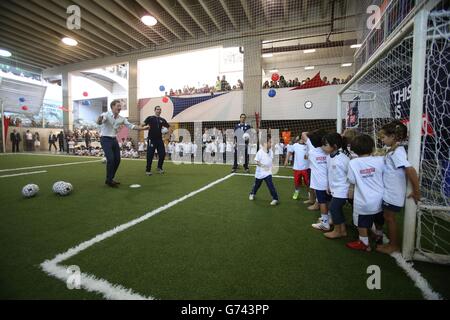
(190, 233)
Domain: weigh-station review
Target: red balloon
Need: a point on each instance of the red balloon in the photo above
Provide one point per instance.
(24, 108)
(275, 77)
(85, 94)
(165, 99)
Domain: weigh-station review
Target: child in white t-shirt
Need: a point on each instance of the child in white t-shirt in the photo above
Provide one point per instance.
(71, 144)
(338, 185)
(397, 170)
(301, 166)
(263, 159)
(319, 175)
(366, 173)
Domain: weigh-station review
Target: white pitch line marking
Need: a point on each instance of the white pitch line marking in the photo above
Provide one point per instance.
(416, 277)
(93, 284)
(50, 165)
(23, 174)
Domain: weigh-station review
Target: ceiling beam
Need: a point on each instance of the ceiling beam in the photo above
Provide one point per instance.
(18, 63)
(137, 11)
(33, 47)
(58, 11)
(20, 54)
(193, 15)
(324, 7)
(229, 15)
(24, 50)
(211, 15)
(31, 35)
(58, 24)
(115, 37)
(166, 21)
(18, 15)
(248, 13)
(285, 11)
(305, 9)
(183, 21)
(110, 19)
(267, 17)
(130, 20)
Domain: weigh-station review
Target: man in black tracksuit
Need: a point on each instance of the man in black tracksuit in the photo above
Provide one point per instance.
(155, 141)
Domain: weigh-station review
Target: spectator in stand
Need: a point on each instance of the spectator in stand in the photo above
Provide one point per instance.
(325, 79)
(266, 85)
(295, 83)
(224, 84)
(218, 84)
(87, 139)
(240, 84)
(283, 83)
(273, 84)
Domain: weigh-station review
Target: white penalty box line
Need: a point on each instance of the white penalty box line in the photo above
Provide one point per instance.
(93, 284)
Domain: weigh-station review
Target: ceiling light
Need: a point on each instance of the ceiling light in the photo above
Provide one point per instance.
(267, 55)
(273, 71)
(309, 51)
(309, 68)
(69, 41)
(346, 65)
(149, 20)
(5, 53)
(356, 46)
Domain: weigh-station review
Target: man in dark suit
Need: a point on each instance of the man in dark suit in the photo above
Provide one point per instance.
(51, 141)
(239, 130)
(61, 141)
(15, 140)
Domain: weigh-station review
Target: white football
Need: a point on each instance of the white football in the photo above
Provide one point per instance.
(246, 136)
(57, 186)
(30, 190)
(66, 189)
(164, 130)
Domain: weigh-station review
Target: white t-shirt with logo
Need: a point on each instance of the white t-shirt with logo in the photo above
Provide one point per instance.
(265, 158)
(300, 151)
(337, 175)
(318, 164)
(394, 177)
(366, 174)
(279, 147)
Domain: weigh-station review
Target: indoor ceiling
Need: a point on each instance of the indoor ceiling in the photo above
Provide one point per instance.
(32, 29)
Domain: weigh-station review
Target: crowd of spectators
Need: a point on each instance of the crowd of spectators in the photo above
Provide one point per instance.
(221, 85)
(283, 83)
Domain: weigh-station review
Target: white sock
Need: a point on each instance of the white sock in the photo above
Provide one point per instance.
(324, 218)
(365, 240)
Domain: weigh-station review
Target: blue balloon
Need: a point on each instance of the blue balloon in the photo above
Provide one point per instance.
(161, 88)
(272, 93)
(22, 99)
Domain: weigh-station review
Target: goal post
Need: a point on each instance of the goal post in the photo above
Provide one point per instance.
(407, 77)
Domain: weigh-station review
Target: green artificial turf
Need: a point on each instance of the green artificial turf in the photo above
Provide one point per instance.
(214, 245)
